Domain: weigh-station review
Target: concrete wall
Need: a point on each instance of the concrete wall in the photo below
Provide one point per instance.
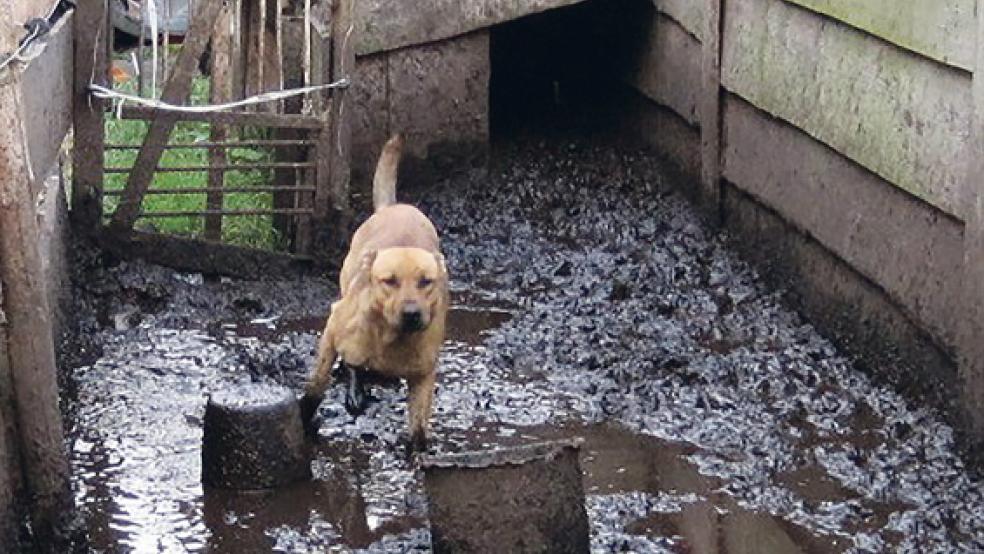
(436, 94)
(840, 138)
(422, 68)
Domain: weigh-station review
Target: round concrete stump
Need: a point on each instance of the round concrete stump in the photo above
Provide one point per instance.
(525, 499)
(254, 439)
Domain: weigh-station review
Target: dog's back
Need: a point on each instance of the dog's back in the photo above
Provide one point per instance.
(393, 224)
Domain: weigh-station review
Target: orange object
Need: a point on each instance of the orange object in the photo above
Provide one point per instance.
(119, 74)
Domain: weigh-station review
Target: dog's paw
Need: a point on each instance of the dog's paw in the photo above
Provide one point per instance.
(312, 426)
(309, 406)
(415, 443)
(356, 399)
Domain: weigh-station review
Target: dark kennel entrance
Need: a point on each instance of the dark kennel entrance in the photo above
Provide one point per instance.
(562, 69)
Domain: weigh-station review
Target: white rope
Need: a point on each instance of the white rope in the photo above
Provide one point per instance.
(102, 92)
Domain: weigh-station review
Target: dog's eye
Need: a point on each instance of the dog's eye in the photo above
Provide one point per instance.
(391, 282)
(425, 282)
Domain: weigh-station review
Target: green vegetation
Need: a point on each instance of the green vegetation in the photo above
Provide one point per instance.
(256, 231)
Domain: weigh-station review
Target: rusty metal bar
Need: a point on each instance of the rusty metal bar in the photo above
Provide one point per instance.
(233, 213)
(226, 190)
(219, 167)
(246, 119)
(225, 144)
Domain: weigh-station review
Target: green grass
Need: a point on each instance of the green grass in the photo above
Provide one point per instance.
(256, 231)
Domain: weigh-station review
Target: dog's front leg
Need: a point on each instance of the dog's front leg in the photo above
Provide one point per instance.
(356, 399)
(419, 409)
(320, 380)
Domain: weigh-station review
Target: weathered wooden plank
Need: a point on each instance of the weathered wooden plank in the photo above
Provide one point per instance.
(691, 15)
(220, 92)
(245, 119)
(10, 470)
(26, 320)
(942, 30)
(331, 200)
(391, 24)
(901, 116)
(911, 250)
(709, 108)
(87, 113)
(210, 258)
(47, 93)
(175, 92)
(970, 301)
(668, 68)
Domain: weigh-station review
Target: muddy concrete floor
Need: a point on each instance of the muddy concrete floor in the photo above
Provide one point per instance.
(588, 301)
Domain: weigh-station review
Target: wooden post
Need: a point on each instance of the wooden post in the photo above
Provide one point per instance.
(10, 470)
(970, 298)
(89, 127)
(221, 91)
(175, 92)
(292, 57)
(709, 112)
(334, 150)
(30, 345)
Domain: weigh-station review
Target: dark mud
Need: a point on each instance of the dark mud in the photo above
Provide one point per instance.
(590, 301)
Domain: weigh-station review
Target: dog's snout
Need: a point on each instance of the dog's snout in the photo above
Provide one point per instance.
(412, 318)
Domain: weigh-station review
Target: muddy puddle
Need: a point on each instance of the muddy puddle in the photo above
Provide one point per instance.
(588, 302)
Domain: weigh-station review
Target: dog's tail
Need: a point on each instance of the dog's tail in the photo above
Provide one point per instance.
(384, 182)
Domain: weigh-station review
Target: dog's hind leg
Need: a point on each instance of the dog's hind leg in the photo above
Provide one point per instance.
(320, 380)
(419, 409)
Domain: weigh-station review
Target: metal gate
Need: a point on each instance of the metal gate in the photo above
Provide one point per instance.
(274, 112)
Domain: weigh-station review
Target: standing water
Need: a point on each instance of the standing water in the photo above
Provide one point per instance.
(589, 302)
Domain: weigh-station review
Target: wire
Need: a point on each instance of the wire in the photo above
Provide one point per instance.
(36, 27)
(100, 91)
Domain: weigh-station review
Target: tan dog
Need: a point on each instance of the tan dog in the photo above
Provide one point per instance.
(393, 303)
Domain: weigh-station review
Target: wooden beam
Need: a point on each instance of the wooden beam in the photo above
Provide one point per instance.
(187, 254)
(970, 299)
(10, 469)
(709, 108)
(175, 92)
(90, 22)
(221, 92)
(26, 319)
(331, 202)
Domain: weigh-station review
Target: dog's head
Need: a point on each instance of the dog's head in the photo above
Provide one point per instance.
(407, 286)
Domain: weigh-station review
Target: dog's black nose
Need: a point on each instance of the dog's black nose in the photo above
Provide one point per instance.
(412, 319)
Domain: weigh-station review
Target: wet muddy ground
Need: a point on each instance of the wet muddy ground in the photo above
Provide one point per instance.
(589, 301)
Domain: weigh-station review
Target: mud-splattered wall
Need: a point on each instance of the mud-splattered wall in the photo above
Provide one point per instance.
(844, 147)
(35, 110)
(835, 140)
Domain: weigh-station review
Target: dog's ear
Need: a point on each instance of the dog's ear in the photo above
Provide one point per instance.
(365, 267)
(363, 276)
(442, 264)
